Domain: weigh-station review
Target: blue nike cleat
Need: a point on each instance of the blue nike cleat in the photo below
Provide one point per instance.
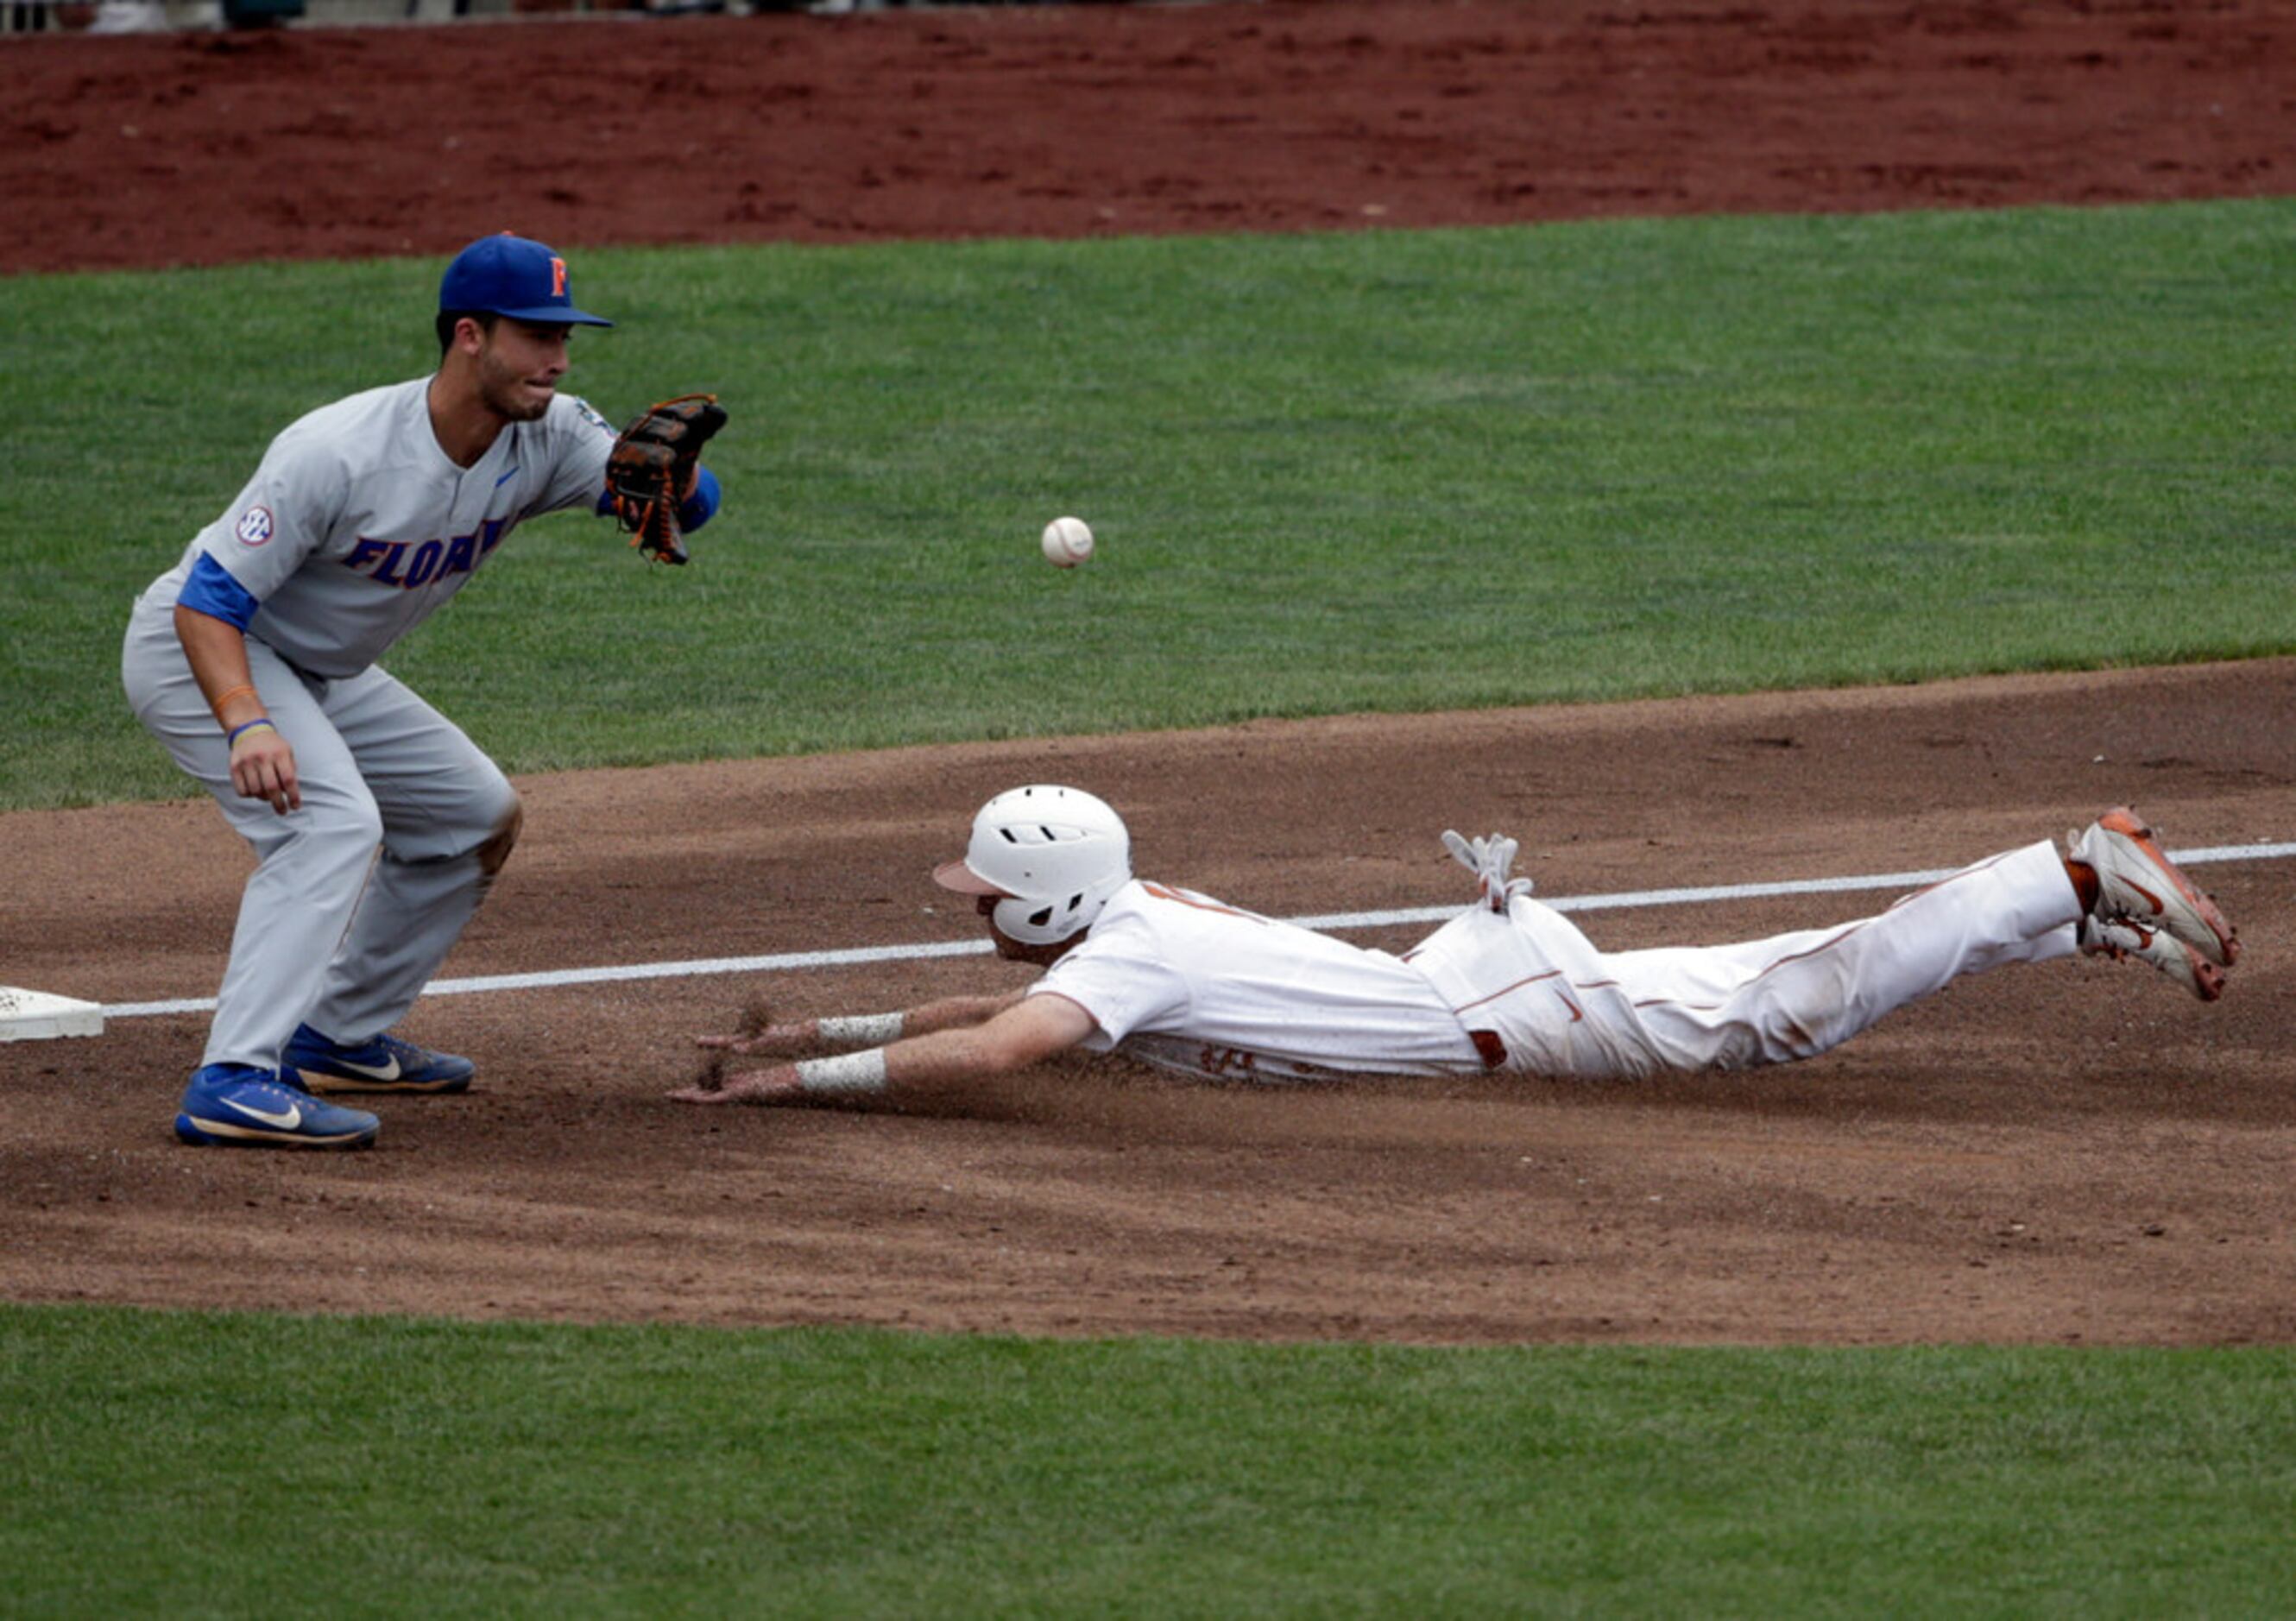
(240, 1106)
(382, 1063)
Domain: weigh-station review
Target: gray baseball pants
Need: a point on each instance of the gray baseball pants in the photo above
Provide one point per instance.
(358, 895)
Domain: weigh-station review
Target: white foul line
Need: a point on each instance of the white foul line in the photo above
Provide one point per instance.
(788, 962)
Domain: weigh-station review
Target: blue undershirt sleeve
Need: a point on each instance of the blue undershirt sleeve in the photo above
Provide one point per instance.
(210, 590)
(701, 505)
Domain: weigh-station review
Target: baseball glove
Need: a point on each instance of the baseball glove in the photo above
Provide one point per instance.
(647, 470)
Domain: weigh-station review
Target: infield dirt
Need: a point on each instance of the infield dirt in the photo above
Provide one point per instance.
(2074, 1153)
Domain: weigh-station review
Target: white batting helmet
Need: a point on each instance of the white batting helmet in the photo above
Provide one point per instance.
(1052, 855)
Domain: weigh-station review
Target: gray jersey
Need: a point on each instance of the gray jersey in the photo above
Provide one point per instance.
(357, 527)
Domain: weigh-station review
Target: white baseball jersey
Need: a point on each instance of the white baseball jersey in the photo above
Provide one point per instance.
(357, 527)
(1178, 980)
(1182, 980)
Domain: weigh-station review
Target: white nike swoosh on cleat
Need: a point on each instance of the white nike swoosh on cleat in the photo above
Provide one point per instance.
(384, 1072)
(286, 1122)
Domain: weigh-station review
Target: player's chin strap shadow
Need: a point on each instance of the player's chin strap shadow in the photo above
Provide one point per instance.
(1490, 858)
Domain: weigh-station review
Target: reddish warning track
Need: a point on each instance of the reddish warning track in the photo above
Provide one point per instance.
(1077, 121)
(2071, 1153)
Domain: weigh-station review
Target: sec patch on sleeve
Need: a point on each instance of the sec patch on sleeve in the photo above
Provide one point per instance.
(254, 526)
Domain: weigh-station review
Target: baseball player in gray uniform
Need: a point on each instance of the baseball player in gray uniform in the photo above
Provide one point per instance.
(1179, 979)
(377, 824)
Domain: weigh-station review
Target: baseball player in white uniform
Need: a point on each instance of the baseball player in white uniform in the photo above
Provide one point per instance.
(1179, 979)
(377, 824)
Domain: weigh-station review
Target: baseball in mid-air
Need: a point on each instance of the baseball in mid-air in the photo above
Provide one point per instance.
(1068, 542)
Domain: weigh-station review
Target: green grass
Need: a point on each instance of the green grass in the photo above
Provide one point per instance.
(1396, 471)
(218, 1464)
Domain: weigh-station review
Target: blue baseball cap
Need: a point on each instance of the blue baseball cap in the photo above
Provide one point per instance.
(509, 275)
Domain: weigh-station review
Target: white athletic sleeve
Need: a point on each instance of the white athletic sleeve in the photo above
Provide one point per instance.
(579, 442)
(1120, 976)
(285, 512)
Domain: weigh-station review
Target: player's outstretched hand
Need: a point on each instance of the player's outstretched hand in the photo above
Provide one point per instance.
(774, 1040)
(778, 1084)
